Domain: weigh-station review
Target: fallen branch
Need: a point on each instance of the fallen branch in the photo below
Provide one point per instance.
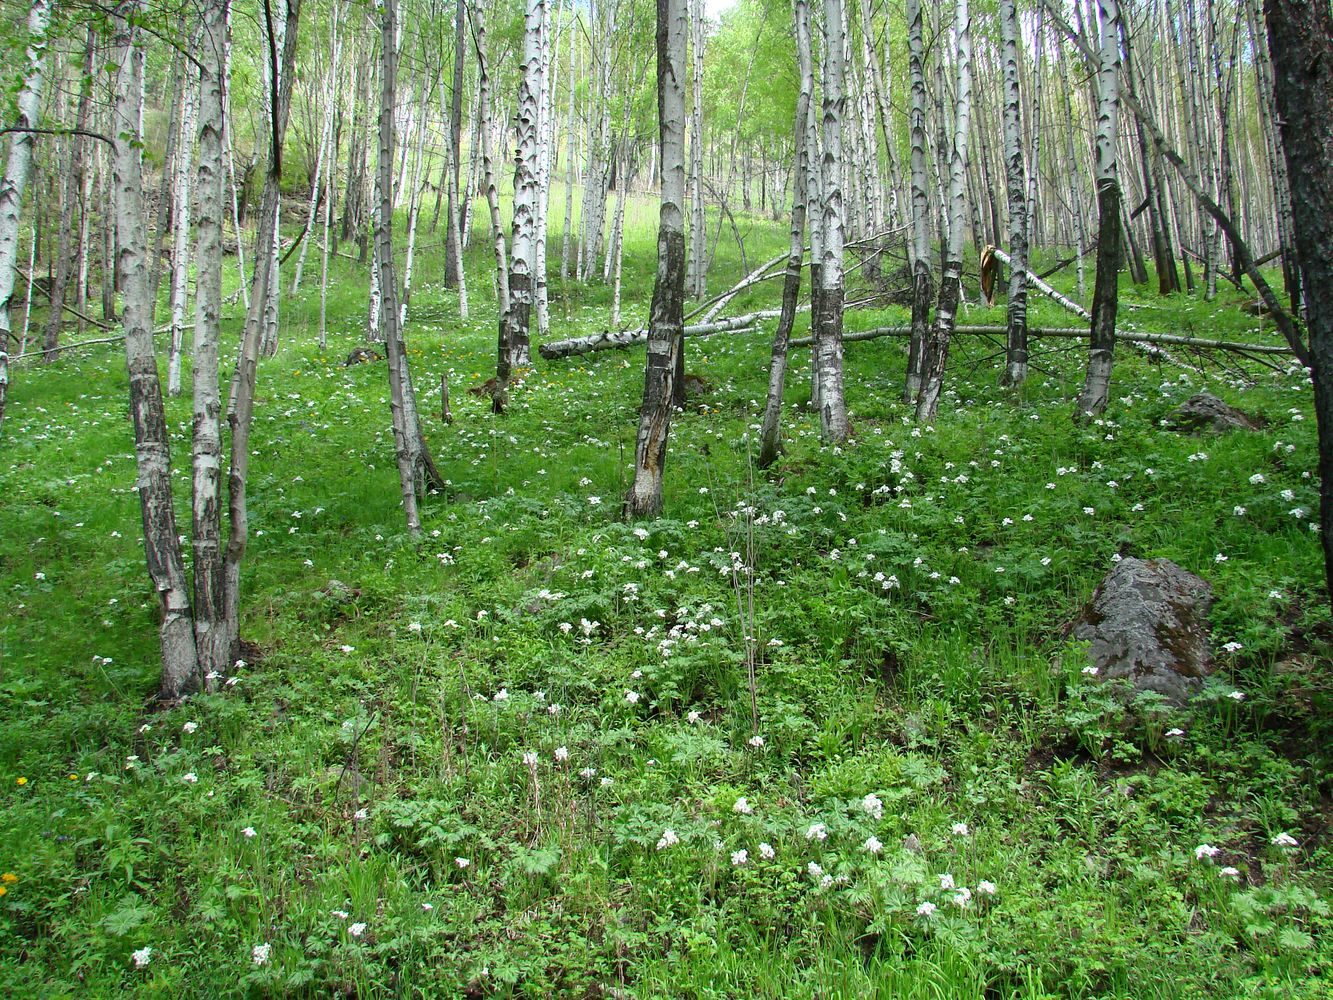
(1041, 286)
(618, 340)
(1069, 333)
(68, 308)
(74, 347)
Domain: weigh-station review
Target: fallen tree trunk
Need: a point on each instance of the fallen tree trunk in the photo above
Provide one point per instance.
(1046, 289)
(1072, 333)
(608, 340)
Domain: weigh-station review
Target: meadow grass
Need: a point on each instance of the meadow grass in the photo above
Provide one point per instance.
(517, 757)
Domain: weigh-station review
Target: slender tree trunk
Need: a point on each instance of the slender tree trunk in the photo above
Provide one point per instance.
(452, 237)
(1101, 346)
(180, 253)
(951, 279)
(769, 436)
(324, 158)
(1016, 343)
(415, 470)
(180, 665)
(488, 161)
(240, 407)
(921, 277)
(210, 622)
(697, 278)
(164, 205)
(15, 178)
(70, 252)
(1300, 38)
(668, 305)
(827, 321)
(514, 346)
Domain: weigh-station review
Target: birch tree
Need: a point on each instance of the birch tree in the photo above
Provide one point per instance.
(15, 179)
(1105, 296)
(666, 317)
(951, 277)
(1016, 342)
(210, 624)
(71, 258)
(240, 405)
(697, 278)
(920, 202)
(513, 347)
(826, 320)
(166, 568)
(791, 283)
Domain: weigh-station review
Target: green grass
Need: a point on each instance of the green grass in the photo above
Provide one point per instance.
(365, 747)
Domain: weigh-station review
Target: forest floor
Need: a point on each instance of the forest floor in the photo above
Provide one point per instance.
(523, 756)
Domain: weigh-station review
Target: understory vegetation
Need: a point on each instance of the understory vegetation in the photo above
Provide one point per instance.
(525, 756)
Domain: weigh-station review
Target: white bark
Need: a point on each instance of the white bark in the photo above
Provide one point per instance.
(696, 282)
(210, 627)
(180, 674)
(16, 175)
(828, 312)
(951, 277)
(180, 218)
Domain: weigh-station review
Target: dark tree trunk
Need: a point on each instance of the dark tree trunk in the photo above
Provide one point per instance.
(1300, 38)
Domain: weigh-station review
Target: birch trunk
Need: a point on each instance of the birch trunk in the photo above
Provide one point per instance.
(771, 429)
(453, 241)
(180, 665)
(210, 625)
(15, 178)
(488, 161)
(827, 319)
(240, 406)
(921, 277)
(324, 156)
(951, 279)
(407, 440)
(180, 221)
(1016, 343)
(668, 305)
(70, 251)
(697, 278)
(513, 347)
(1105, 297)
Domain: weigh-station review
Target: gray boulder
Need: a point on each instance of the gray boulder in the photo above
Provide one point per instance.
(1205, 412)
(1147, 622)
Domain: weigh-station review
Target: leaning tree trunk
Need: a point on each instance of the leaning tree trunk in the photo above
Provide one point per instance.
(1016, 343)
(921, 279)
(1300, 37)
(667, 315)
(1105, 295)
(210, 622)
(180, 664)
(769, 443)
(951, 279)
(826, 322)
(514, 346)
(16, 176)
